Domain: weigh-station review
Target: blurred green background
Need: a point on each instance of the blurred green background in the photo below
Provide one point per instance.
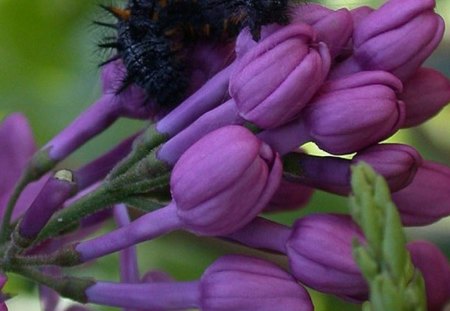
(48, 71)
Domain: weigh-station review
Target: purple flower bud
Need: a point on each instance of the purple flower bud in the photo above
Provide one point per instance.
(427, 198)
(435, 270)
(207, 184)
(270, 84)
(237, 163)
(352, 113)
(397, 38)
(245, 41)
(397, 163)
(245, 283)
(334, 28)
(319, 249)
(16, 148)
(230, 283)
(289, 195)
(424, 95)
(320, 255)
(359, 14)
(56, 190)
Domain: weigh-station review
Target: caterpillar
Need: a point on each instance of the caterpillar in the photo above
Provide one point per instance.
(152, 36)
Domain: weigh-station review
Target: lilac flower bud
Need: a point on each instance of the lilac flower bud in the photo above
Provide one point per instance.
(207, 185)
(352, 113)
(250, 284)
(16, 148)
(245, 41)
(346, 115)
(435, 270)
(230, 283)
(359, 14)
(256, 171)
(270, 84)
(319, 249)
(51, 198)
(397, 38)
(424, 95)
(320, 255)
(427, 198)
(289, 195)
(334, 28)
(397, 163)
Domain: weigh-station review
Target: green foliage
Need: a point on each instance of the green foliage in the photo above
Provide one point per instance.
(384, 261)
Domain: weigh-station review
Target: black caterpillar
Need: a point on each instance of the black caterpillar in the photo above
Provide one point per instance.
(153, 34)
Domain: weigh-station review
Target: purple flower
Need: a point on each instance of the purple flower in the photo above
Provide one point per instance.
(346, 115)
(397, 38)
(52, 196)
(334, 28)
(427, 198)
(16, 148)
(273, 81)
(397, 163)
(320, 255)
(245, 283)
(352, 113)
(207, 185)
(231, 283)
(435, 269)
(424, 95)
(319, 249)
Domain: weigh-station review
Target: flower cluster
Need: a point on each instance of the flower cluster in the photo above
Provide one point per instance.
(343, 79)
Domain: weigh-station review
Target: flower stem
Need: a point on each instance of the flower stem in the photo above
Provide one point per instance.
(5, 227)
(87, 205)
(67, 286)
(142, 146)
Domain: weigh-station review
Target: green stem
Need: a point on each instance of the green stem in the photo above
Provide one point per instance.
(5, 228)
(67, 286)
(87, 205)
(143, 145)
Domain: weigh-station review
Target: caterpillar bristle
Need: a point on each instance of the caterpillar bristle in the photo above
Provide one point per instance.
(108, 45)
(103, 24)
(109, 60)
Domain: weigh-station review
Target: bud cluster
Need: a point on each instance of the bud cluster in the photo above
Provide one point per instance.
(343, 79)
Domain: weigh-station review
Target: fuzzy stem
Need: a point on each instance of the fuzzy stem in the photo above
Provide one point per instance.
(5, 228)
(67, 286)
